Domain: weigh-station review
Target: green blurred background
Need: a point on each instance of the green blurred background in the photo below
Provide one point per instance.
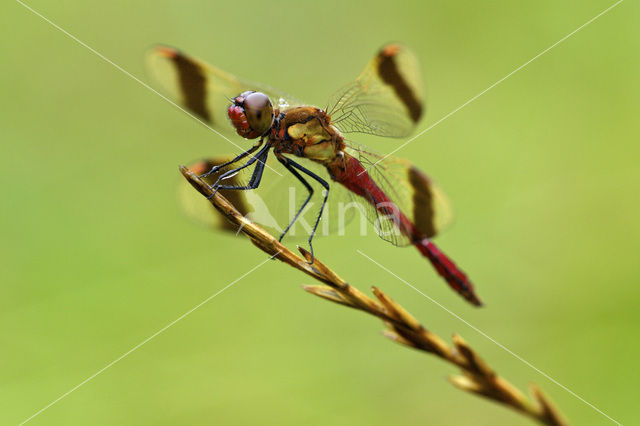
(95, 255)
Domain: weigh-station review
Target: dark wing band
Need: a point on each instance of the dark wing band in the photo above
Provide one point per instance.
(387, 99)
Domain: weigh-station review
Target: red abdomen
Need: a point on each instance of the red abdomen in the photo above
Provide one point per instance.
(349, 172)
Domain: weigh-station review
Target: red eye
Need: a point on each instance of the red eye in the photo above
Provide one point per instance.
(239, 120)
(251, 114)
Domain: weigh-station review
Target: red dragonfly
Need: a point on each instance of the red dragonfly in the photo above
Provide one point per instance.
(385, 100)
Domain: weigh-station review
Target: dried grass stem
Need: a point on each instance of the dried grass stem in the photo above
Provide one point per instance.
(401, 327)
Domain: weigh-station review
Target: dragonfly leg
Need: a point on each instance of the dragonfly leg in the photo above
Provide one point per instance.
(260, 157)
(324, 201)
(236, 159)
(285, 162)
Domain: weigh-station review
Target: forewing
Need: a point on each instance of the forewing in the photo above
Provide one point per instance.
(202, 89)
(387, 99)
(199, 209)
(272, 205)
(410, 192)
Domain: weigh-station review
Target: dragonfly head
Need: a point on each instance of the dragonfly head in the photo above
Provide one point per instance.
(251, 114)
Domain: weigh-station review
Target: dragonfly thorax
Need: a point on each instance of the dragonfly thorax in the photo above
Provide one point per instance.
(251, 114)
(306, 132)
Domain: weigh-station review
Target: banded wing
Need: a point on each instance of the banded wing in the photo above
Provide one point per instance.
(199, 209)
(203, 89)
(261, 205)
(387, 98)
(206, 92)
(398, 199)
(272, 205)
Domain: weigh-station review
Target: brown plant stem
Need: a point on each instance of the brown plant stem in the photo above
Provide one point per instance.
(477, 377)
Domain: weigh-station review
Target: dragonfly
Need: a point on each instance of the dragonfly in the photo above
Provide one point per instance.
(315, 144)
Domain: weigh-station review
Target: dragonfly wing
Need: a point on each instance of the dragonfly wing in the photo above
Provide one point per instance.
(387, 98)
(255, 204)
(203, 89)
(199, 209)
(406, 190)
(272, 205)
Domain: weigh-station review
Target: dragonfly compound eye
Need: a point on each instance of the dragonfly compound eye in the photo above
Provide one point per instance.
(251, 114)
